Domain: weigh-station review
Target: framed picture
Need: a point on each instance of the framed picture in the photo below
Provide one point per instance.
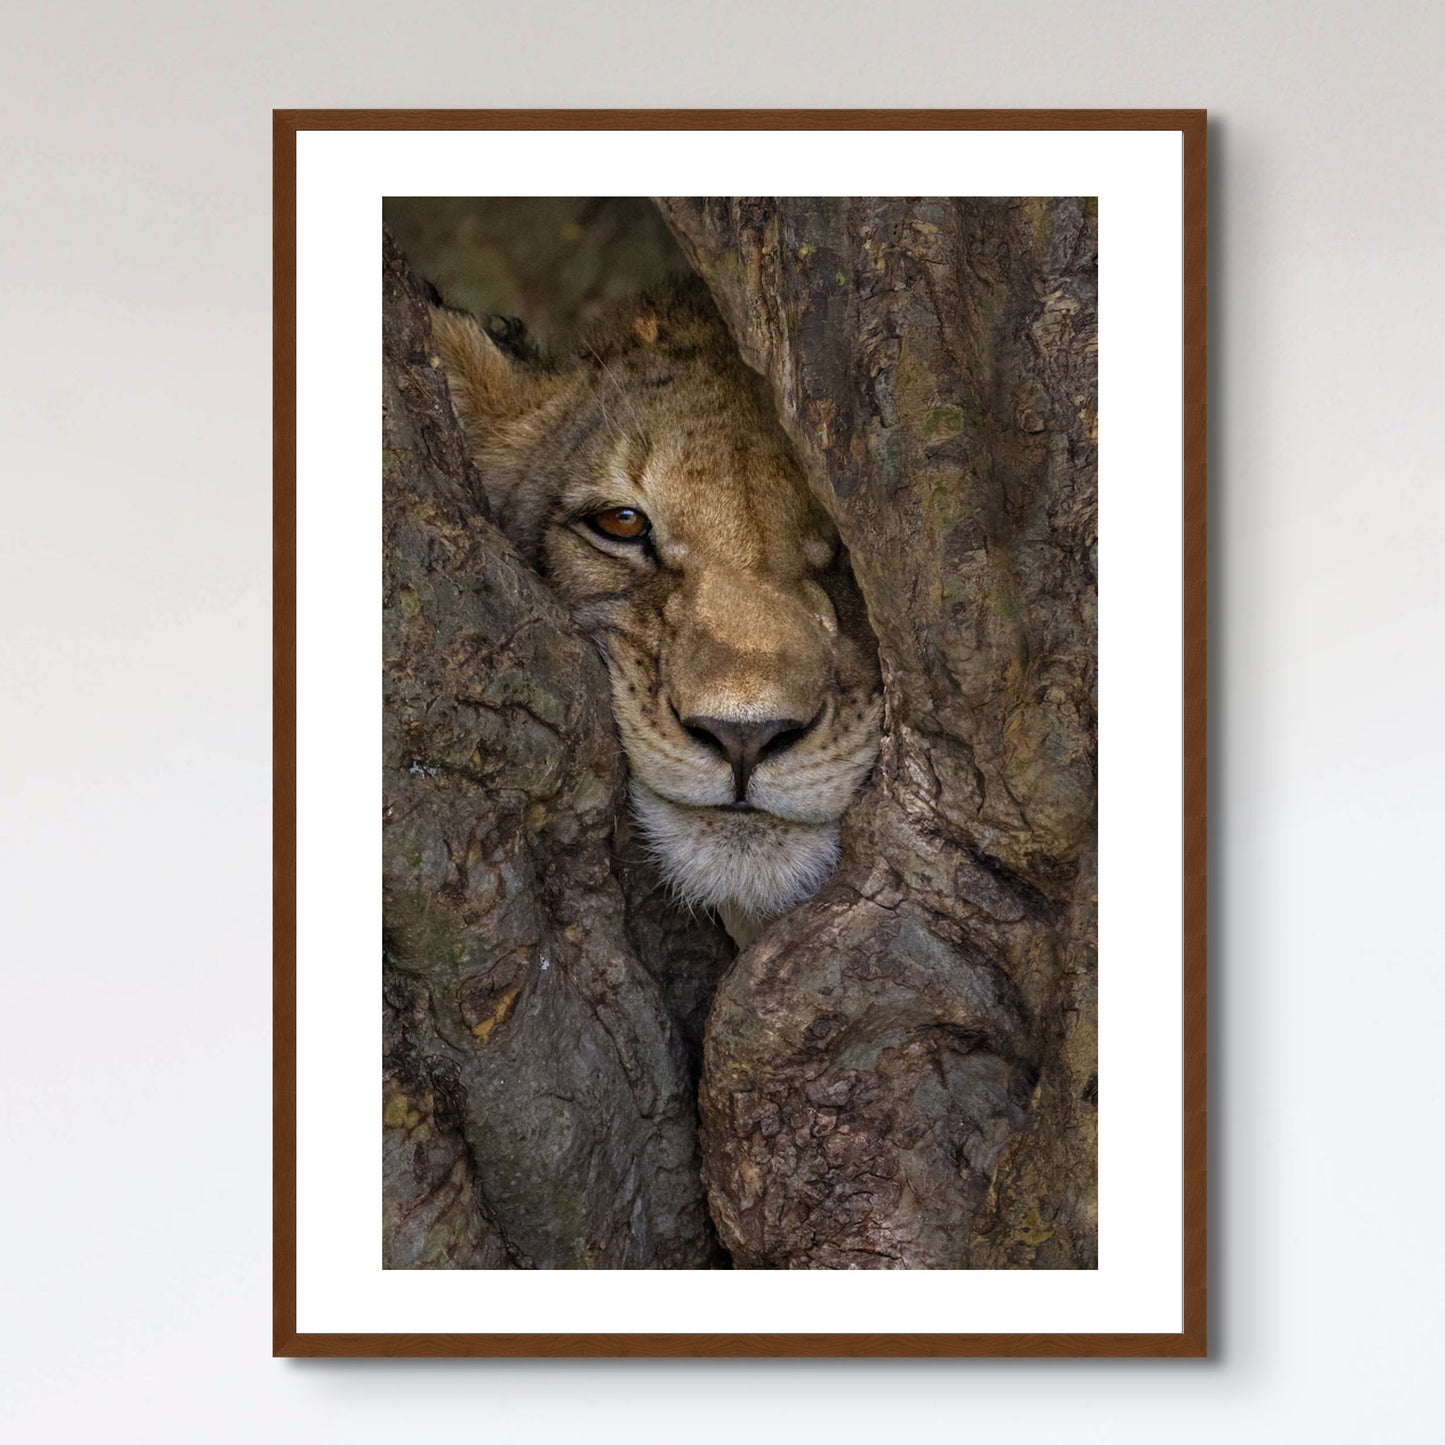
(773, 586)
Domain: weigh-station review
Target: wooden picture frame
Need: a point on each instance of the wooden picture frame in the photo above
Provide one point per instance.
(1191, 1337)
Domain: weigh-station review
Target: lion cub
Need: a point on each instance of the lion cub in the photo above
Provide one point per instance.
(651, 482)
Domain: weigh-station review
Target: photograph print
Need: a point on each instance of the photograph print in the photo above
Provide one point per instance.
(740, 733)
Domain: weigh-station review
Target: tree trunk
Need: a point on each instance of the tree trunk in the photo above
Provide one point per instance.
(539, 1107)
(902, 1072)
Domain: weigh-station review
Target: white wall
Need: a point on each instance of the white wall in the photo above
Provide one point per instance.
(134, 392)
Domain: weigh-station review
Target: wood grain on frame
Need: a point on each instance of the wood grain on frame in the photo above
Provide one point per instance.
(1192, 1339)
(283, 738)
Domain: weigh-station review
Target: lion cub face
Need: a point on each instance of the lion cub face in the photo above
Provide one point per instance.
(652, 484)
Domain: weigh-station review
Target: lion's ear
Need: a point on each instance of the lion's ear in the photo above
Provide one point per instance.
(492, 390)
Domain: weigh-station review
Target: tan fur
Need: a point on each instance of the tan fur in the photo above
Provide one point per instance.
(739, 608)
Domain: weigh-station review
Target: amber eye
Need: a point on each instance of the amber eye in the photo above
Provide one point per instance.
(624, 524)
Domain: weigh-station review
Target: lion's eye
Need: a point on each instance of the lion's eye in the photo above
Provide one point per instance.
(623, 524)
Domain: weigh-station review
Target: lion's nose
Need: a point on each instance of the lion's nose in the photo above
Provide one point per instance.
(745, 744)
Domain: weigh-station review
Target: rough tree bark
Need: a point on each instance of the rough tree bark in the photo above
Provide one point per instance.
(538, 1097)
(902, 1072)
